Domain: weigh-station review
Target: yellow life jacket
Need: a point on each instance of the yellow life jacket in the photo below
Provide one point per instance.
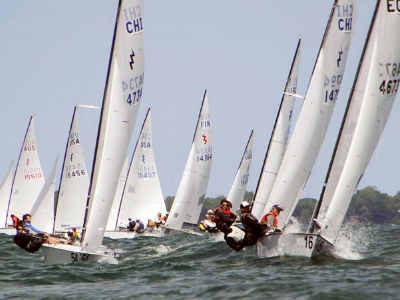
(202, 227)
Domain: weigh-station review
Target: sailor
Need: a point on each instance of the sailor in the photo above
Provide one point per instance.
(159, 220)
(271, 218)
(150, 225)
(74, 235)
(27, 219)
(131, 225)
(253, 230)
(139, 227)
(223, 217)
(28, 241)
(210, 226)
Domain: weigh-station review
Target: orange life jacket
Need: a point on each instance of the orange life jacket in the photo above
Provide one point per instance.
(15, 220)
(264, 218)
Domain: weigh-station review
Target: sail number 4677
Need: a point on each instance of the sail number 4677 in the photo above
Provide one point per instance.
(392, 85)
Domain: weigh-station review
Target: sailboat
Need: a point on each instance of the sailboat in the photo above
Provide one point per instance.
(238, 188)
(28, 180)
(313, 120)
(372, 96)
(368, 108)
(278, 141)
(142, 195)
(122, 98)
(43, 210)
(5, 190)
(74, 183)
(189, 199)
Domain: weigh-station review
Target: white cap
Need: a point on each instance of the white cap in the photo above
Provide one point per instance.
(244, 204)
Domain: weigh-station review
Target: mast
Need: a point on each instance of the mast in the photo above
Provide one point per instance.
(100, 120)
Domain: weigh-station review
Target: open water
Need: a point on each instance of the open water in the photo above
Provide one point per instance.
(366, 265)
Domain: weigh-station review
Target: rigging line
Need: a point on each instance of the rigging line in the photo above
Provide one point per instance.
(334, 231)
(111, 21)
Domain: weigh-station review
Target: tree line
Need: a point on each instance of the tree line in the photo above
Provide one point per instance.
(367, 205)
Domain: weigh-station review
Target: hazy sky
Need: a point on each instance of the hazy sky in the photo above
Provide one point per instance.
(54, 55)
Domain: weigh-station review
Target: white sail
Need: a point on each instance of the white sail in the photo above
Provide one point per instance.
(43, 210)
(192, 189)
(5, 190)
(238, 189)
(112, 219)
(28, 178)
(142, 197)
(373, 93)
(121, 102)
(278, 141)
(74, 183)
(316, 111)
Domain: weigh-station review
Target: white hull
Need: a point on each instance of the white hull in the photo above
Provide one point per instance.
(8, 230)
(133, 234)
(66, 254)
(217, 237)
(171, 231)
(293, 244)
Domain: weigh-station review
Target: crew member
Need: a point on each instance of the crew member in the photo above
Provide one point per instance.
(223, 217)
(271, 218)
(253, 230)
(28, 241)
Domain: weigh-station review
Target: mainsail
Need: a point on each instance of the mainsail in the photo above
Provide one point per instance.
(192, 189)
(5, 190)
(142, 197)
(372, 95)
(316, 111)
(74, 182)
(238, 188)
(122, 98)
(28, 179)
(278, 141)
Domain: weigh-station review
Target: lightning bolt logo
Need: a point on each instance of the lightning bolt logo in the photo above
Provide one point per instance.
(340, 57)
(143, 159)
(27, 162)
(132, 62)
(204, 138)
(72, 156)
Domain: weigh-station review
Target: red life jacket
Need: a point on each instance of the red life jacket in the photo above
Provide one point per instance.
(264, 219)
(225, 211)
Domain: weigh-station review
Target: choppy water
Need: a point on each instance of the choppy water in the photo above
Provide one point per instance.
(366, 266)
